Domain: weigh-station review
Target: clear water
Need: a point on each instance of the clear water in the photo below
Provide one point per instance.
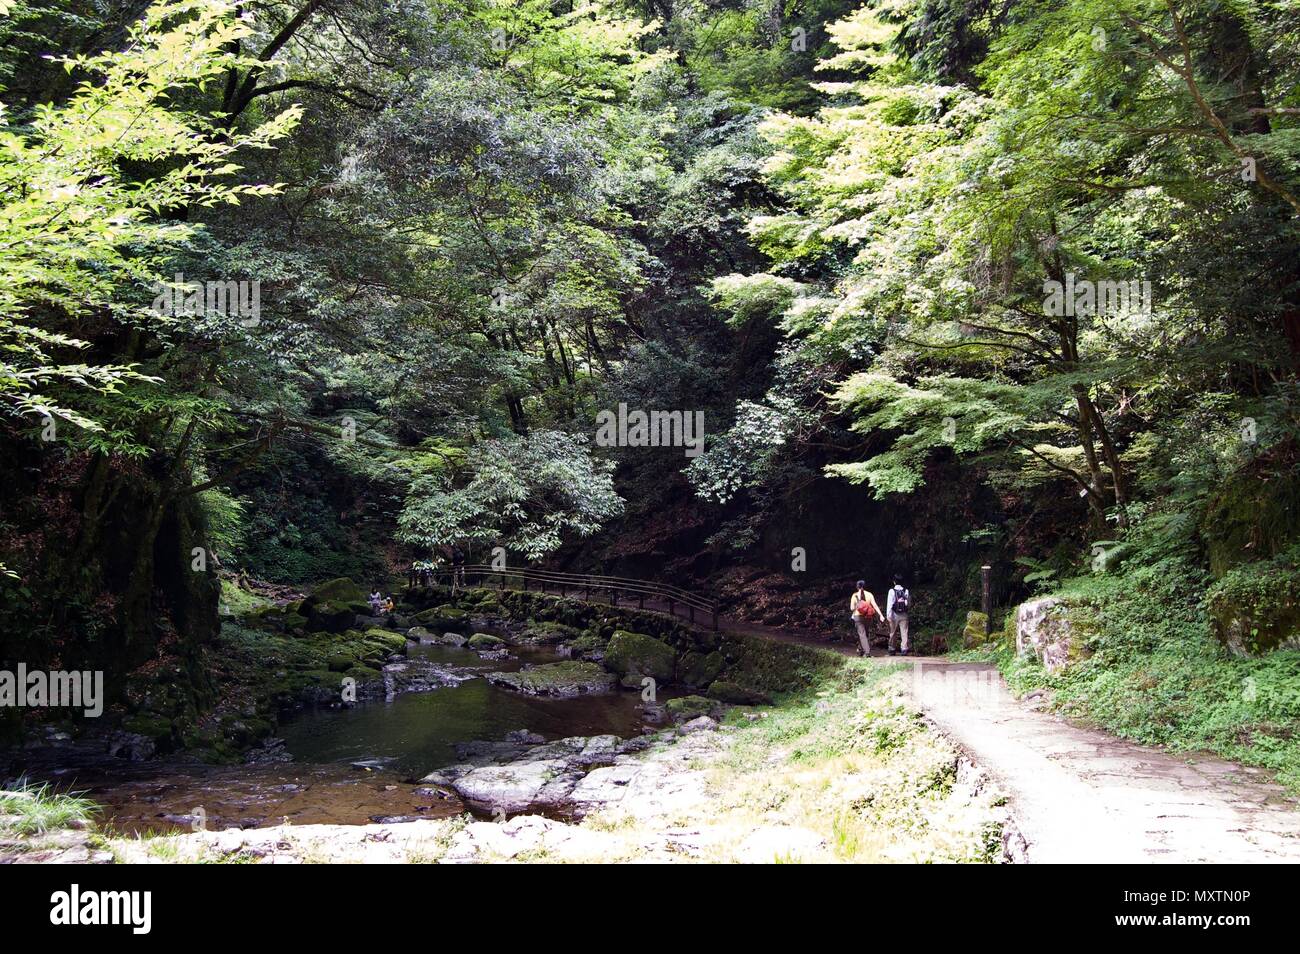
(400, 740)
(417, 731)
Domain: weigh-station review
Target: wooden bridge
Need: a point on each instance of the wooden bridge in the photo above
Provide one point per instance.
(614, 590)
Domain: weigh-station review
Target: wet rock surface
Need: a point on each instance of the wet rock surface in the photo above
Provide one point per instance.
(562, 679)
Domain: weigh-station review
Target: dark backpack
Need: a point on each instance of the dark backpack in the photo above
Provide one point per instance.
(901, 600)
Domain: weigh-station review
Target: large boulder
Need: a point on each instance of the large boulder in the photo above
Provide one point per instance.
(697, 670)
(1254, 514)
(635, 654)
(686, 708)
(442, 619)
(485, 641)
(517, 786)
(562, 679)
(1255, 608)
(330, 616)
(976, 630)
(339, 590)
(1044, 628)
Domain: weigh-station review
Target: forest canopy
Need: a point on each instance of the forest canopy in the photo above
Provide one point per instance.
(1049, 244)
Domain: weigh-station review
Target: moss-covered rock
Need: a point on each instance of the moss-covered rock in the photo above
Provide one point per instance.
(1255, 608)
(638, 654)
(697, 670)
(768, 666)
(387, 640)
(339, 590)
(546, 633)
(571, 678)
(975, 632)
(330, 617)
(587, 643)
(442, 619)
(485, 641)
(1256, 513)
(687, 708)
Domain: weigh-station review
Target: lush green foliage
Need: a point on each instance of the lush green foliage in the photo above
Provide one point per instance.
(1157, 675)
(36, 809)
(849, 233)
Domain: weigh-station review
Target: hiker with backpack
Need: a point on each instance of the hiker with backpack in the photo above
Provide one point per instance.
(864, 610)
(896, 607)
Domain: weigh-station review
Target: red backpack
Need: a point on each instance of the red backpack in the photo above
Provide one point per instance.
(865, 609)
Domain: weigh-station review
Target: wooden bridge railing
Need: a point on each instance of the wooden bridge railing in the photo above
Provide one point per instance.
(584, 585)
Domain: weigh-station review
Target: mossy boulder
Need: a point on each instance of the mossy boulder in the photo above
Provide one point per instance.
(386, 640)
(687, 708)
(339, 590)
(330, 617)
(485, 641)
(975, 632)
(442, 619)
(562, 679)
(697, 670)
(1256, 513)
(1255, 609)
(587, 643)
(550, 632)
(638, 654)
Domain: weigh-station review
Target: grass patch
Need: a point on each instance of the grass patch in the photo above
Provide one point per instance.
(852, 761)
(36, 809)
(848, 765)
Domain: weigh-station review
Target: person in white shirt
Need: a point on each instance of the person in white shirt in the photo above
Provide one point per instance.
(863, 608)
(896, 608)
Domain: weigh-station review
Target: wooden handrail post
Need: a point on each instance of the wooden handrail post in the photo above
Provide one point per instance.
(986, 585)
(715, 618)
(670, 606)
